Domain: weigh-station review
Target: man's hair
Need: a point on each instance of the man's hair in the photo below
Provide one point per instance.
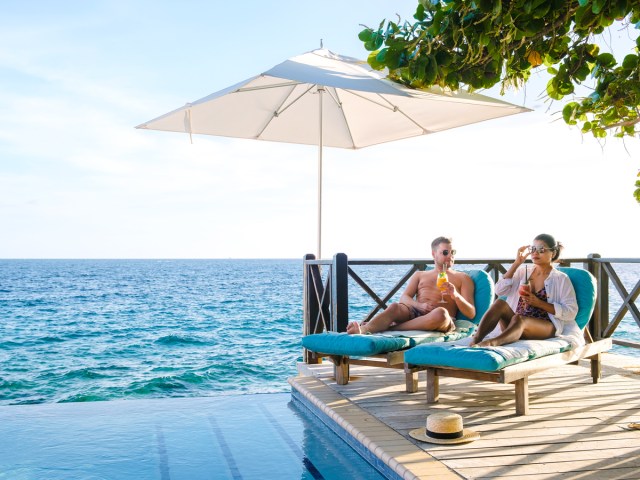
(440, 240)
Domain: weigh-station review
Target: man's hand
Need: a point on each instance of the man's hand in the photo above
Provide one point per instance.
(450, 289)
(426, 307)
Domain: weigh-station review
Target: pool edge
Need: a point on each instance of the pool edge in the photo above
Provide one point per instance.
(368, 436)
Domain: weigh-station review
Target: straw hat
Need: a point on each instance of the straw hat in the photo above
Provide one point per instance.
(445, 428)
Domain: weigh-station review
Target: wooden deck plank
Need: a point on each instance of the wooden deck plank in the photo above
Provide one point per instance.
(575, 429)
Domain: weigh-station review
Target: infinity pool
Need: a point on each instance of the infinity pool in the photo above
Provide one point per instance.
(228, 437)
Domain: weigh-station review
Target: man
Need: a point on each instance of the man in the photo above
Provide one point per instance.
(419, 307)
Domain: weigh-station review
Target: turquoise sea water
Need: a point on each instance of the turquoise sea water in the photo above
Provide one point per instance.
(87, 330)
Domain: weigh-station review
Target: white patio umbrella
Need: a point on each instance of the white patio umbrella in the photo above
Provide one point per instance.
(324, 99)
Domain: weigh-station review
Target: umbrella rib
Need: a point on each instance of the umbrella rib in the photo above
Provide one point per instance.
(267, 87)
(280, 109)
(390, 106)
(333, 93)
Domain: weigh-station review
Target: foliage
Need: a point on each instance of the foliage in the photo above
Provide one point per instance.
(481, 43)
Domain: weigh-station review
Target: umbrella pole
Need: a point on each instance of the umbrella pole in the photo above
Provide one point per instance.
(320, 92)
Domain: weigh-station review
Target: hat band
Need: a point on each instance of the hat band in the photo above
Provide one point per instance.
(444, 435)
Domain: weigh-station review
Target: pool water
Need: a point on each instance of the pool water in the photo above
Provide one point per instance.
(226, 437)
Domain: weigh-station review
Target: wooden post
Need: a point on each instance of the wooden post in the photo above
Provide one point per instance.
(522, 396)
(433, 386)
(600, 317)
(311, 305)
(339, 293)
(410, 379)
(340, 369)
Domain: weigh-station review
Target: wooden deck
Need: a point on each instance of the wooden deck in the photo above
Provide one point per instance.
(575, 429)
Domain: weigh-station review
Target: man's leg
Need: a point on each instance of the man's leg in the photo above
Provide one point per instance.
(437, 320)
(396, 312)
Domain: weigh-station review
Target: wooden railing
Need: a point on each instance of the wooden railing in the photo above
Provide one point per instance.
(326, 290)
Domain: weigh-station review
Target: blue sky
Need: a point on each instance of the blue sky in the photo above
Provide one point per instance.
(78, 181)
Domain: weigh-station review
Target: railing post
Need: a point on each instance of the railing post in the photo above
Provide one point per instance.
(340, 293)
(600, 317)
(311, 306)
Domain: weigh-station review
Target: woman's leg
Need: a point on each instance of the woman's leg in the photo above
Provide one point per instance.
(522, 328)
(499, 311)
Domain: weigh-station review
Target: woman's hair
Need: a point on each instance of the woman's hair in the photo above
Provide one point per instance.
(552, 244)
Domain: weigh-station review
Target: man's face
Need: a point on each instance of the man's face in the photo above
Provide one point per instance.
(444, 255)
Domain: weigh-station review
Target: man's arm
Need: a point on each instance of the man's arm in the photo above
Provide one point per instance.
(464, 298)
(409, 294)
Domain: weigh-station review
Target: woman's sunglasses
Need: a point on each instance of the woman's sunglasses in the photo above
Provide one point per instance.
(533, 248)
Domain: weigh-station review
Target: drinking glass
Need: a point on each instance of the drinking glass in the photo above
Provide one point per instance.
(442, 279)
(524, 288)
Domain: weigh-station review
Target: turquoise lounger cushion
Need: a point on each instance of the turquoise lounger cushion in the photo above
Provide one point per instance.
(364, 345)
(585, 286)
(483, 359)
(333, 343)
(483, 294)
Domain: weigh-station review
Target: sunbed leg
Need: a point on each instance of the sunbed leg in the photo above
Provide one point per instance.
(411, 380)
(433, 386)
(522, 396)
(341, 369)
(596, 367)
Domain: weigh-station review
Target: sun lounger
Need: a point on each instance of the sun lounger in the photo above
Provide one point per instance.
(515, 362)
(386, 349)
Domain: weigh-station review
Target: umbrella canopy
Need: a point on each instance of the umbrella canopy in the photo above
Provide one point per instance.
(324, 99)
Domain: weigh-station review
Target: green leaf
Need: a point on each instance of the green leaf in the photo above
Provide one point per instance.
(568, 113)
(372, 60)
(552, 90)
(392, 59)
(597, 6)
(606, 60)
(582, 3)
(582, 72)
(420, 15)
(432, 71)
(630, 61)
(497, 8)
(365, 35)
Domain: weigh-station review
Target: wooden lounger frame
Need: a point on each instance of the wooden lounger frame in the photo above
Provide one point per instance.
(519, 373)
(393, 359)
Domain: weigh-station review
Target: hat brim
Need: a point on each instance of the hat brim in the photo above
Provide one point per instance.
(467, 436)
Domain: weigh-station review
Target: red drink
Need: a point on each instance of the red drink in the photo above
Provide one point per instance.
(525, 289)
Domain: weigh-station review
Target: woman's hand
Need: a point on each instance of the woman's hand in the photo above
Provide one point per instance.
(530, 299)
(523, 253)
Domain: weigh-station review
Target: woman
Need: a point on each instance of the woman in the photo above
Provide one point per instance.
(549, 309)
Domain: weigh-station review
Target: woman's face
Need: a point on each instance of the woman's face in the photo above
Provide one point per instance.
(540, 252)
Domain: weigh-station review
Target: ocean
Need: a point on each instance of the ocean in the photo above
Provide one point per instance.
(91, 330)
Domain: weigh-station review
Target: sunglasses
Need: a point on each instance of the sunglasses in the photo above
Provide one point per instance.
(540, 249)
(447, 252)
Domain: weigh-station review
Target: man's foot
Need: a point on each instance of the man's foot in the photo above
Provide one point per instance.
(354, 328)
